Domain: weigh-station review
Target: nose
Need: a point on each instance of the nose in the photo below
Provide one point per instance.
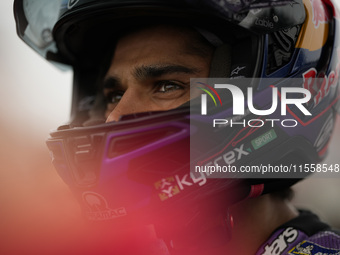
(131, 102)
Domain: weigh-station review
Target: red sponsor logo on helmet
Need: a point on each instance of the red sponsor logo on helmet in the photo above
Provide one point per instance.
(320, 13)
(320, 84)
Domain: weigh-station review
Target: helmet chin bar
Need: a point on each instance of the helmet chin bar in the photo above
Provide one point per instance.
(75, 153)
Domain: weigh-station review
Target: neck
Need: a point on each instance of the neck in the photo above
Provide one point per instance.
(255, 220)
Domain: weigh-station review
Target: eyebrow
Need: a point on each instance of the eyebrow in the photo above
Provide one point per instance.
(111, 82)
(154, 71)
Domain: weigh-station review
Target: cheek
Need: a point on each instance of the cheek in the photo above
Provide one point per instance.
(195, 93)
(109, 109)
(165, 105)
(182, 100)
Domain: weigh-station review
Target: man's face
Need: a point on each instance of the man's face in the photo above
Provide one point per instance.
(151, 71)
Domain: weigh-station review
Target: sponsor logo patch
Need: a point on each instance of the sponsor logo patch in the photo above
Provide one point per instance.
(98, 208)
(171, 186)
(310, 248)
(277, 247)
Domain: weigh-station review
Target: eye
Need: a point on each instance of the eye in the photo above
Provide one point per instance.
(168, 86)
(114, 97)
